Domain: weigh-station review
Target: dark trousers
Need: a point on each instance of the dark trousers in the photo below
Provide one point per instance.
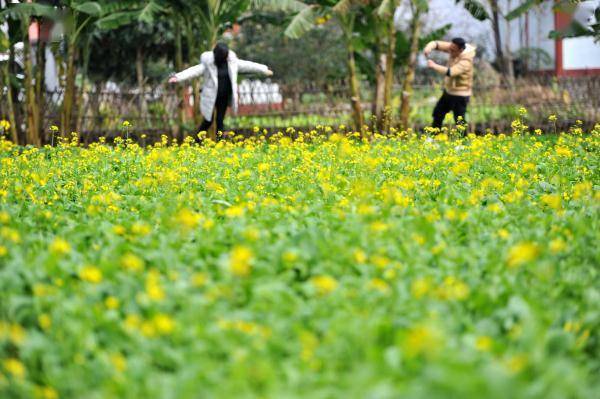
(220, 110)
(456, 104)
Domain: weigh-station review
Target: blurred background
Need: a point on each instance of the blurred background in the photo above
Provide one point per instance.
(89, 66)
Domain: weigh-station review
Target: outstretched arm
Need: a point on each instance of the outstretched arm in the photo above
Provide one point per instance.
(436, 45)
(189, 73)
(457, 69)
(438, 68)
(253, 67)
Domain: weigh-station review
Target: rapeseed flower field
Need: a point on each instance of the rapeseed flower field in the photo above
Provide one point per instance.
(328, 266)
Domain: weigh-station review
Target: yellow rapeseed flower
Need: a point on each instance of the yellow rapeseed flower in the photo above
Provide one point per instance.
(360, 256)
(199, 279)
(380, 261)
(504, 234)
(91, 274)
(420, 287)
(235, 211)
(45, 321)
(453, 289)
(15, 367)
(251, 234)
(188, 219)
(557, 245)
(562, 151)
(17, 334)
(119, 230)
(111, 302)
(240, 261)
(324, 284)
(419, 239)
(60, 247)
(582, 189)
(289, 256)
(422, 340)
(132, 262)
(119, 362)
(163, 323)
(516, 364)
(552, 200)
(522, 253)
(141, 229)
(380, 285)
(483, 343)
(46, 393)
(378, 226)
(154, 289)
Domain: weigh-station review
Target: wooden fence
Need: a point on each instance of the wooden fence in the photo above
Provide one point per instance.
(275, 106)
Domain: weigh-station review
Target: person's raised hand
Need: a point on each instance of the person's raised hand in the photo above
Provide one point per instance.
(426, 52)
(269, 73)
(173, 80)
(431, 64)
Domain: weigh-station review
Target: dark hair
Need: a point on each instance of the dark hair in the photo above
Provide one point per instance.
(460, 42)
(221, 52)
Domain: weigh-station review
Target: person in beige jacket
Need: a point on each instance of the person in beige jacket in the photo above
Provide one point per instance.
(458, 82)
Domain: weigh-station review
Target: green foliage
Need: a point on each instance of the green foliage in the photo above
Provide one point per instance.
(327, 267)
(575, 29)
(476, 8)
(24, 11)
(523, 8)
(315, 58)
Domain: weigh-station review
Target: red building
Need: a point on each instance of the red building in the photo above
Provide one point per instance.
(528, 36)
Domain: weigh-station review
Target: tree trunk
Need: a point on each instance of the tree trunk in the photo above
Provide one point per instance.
(6, 72)
(81, 110)
(139, 68)
(31, 134)
(379, 95)
(194, 54)
(11, 105)
(93, 109)
(389, 73)
(497, 38)
(40, 88)
(407, 86)
(355, 90)
(66, 118)
(212, 131)
(179, 67)
(347, 25)
(508, 62)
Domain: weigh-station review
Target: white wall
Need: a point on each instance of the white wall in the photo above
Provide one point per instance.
(581, 53)
(541, 23)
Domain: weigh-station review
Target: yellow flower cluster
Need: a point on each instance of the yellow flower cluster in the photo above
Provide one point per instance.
(266, 258)
(240, 261)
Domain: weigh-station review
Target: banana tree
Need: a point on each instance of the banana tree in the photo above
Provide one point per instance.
(6, 80)
(578, 28)
(344, 13)
(24, 13)
(214, 17)
(80, 20)
(479, 10)
(386, 12)
(200, 24)
(418, 9)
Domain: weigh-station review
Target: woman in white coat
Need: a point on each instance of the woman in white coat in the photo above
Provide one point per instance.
(220, 68)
